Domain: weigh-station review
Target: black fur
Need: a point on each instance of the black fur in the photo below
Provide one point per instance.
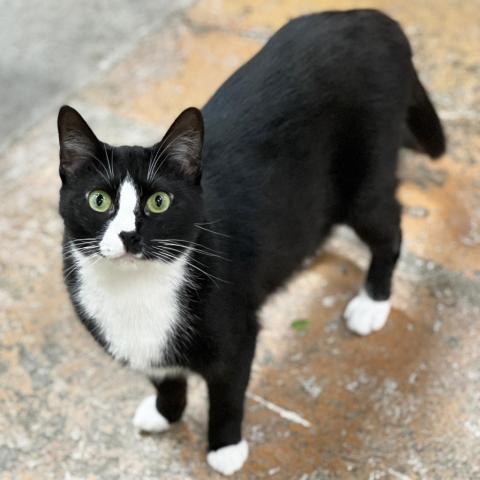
(302, 137)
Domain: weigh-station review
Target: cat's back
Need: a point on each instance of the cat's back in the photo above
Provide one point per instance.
(313, 62)
(315, 77)
(288, 111)
(287, 135)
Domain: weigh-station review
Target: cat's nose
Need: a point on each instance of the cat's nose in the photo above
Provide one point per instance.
(132, 241)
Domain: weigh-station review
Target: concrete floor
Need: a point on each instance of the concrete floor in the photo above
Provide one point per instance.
(51, 49)
(401, 404)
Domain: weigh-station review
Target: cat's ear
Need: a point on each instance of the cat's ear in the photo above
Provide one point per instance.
(184, 140)
(78, 143)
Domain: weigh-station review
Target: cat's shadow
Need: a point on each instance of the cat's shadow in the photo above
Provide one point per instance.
(351, 389)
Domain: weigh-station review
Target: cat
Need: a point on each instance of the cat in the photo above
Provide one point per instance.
(170, 251)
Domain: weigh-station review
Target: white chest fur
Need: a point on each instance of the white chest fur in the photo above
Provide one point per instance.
(135, 304)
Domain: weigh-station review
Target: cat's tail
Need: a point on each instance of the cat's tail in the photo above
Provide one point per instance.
(425, 133)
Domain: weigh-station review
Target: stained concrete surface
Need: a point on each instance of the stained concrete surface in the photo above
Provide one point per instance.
(403, 403)
(49, 49)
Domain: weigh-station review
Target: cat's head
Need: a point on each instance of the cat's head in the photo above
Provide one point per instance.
(130, 202)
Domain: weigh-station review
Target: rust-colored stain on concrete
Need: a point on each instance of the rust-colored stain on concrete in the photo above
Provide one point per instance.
(403, 403)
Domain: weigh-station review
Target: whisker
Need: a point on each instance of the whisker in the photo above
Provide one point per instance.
(83, 246)
(111, 159)
(153, 161)
(160, 255)
(90, 252)
(174, 250)
(193, 248)
(212, 277)
(209, 275)
(149, 171)
(163, 150)
(68, 272)
(104, 175)
(84, 252)
(211, 231)
(110, 167)
(209, 223)
(187, 242)
(86, 239)
(80, 245)
(107, 180)
(83, 243)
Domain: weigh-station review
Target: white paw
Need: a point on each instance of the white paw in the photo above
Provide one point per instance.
(147, 418)
(365, 315)
(228, 460)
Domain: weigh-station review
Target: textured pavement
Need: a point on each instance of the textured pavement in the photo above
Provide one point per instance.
(50, 49)
(401, 404)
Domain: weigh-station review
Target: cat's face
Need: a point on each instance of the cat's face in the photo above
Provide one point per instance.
(130, 203)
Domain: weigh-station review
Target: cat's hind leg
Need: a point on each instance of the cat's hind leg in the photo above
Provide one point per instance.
(377, 223)
(156, 412)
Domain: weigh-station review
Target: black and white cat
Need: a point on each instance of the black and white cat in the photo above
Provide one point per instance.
(168, 257)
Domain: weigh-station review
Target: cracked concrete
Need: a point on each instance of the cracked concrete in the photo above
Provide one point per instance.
(403, 403)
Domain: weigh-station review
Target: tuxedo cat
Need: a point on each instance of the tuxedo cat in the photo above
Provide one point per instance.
(170, 250)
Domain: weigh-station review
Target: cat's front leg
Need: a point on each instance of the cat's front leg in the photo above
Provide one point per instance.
(227, 451)
(156, 412)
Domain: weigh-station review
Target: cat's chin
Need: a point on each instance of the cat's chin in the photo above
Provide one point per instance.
(127, 260)
(132, 261)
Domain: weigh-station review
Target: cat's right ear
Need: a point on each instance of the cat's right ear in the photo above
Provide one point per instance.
(78, 144)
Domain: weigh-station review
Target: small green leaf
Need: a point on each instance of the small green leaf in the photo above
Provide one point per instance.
(300, 325)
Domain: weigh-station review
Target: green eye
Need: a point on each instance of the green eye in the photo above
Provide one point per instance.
(158, 202)
(99, 200)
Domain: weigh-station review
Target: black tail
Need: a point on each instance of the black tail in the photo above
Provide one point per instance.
(423, 123)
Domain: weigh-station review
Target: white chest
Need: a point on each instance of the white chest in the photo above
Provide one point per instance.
(135, 305)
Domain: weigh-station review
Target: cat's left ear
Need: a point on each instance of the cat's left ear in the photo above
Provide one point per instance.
(183, 142)
(78, 144)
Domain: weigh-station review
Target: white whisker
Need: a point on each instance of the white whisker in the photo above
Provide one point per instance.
(109, 165)
(211, 231)
(193, 248)
(164, 149)
(190, 262)
(190, 243)
(104, 175)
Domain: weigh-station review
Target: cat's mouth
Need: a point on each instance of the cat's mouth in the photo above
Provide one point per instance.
(127, 257)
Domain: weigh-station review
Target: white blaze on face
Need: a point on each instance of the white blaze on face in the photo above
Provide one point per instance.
(124, 221)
